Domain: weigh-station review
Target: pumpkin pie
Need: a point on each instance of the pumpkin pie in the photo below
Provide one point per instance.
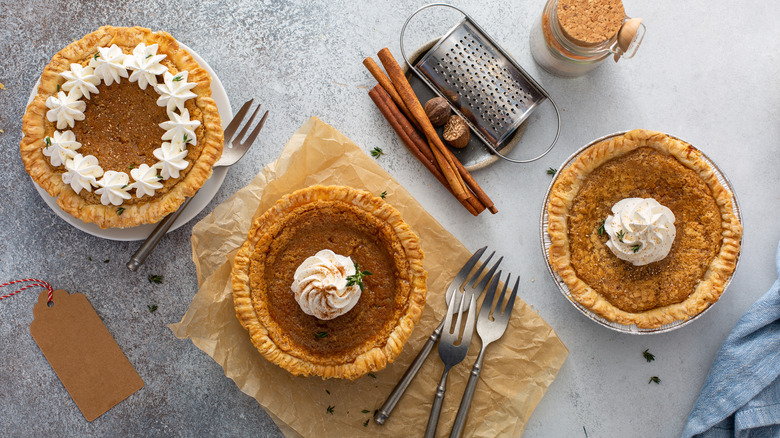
(306, 233)
(122, 128)
(673, 276)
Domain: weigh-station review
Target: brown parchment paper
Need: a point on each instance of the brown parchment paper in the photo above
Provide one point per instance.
(518, 368)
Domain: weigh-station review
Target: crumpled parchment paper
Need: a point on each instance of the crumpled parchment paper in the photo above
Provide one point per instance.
(518, 368)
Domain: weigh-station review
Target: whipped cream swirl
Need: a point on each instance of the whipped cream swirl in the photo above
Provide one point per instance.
(320, 285)
(109, 64)
(82, 172)
(641, 231)
(61, 147)
(113, 188)
(180, 128)
(171, 159)
(81, 80)
(175, 90)
(65, 109)
(146, 180)
(145, 65)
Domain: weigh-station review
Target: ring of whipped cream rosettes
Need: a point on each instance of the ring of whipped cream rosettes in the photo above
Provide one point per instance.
(109, 65)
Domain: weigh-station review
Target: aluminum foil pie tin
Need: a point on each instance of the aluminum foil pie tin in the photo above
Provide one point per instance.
(545, 241)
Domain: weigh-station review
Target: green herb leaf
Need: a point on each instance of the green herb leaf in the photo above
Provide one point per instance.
(552, 171)
(47, 140)
(177, 78)
(131, 167)
(330, 409)
(377, 152)
(320, 335)
(152, 308)
(106, 260)
(376, 411)
(125, 186)
(120, 210)
(648, 355)
(365, 411)
(327, 391)
(90, 258)
(58, 88)
(157, 279)
(372, 375)
(621, 235)
(600, 229)
(148, 56)
(97, 55)
(636, 247)
(655, 380)
(357, 277)
(159, 176)
(366, 423)
(185, 139)
(383, 195)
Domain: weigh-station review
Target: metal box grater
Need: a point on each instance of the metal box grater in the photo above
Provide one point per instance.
(482, 83)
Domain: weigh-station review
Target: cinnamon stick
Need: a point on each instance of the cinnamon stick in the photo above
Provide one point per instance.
(411, 139)
(394, 70)
(387, 85)
(440, 151)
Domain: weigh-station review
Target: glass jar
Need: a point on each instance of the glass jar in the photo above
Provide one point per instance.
(560, 55)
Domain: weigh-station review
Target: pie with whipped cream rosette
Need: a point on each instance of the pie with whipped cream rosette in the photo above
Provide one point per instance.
(122, 128)
(642, 232)
(330, 283)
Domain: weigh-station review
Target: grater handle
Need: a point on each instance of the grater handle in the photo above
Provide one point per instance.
(406, 23)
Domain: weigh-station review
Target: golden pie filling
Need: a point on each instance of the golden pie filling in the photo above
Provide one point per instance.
(668, 281)
(347, 232)
(349, 223)
(643, 165)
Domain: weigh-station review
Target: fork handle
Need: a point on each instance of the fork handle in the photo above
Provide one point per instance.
(143, 252)
(384, 412)
(433, 420)
(468, 394)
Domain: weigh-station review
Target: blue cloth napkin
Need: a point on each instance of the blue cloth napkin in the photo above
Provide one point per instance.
(741, 396)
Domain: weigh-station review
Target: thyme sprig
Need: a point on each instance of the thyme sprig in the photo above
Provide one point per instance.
(357, 277)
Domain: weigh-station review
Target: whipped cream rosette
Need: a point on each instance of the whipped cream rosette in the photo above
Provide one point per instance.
(641, 231)
(322, 287)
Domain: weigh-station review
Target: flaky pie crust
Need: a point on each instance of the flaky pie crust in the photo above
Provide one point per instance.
(566, 188)
(254, 316)
(35, 129)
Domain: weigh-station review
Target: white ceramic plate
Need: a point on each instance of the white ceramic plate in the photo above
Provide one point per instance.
(199, 202)
(546, 242)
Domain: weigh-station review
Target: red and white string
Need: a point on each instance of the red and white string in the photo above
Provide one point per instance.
(34, 283)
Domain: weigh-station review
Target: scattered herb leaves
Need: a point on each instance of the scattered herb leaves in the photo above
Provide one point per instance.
(97, 55)
(152, 308)
(648, 355)
(47, 140)
(320, 335)
(377, 152)
(185, 139)
(372, 375)
(330, 409)
(357, 277)
(600, 229)
(552, 171)
(365, 411)
(156, 279)
(327, 391)
(131, 167)
(148, 56)
(177, 78)
(159, 176)
(125, 185)
(120, 210)
(655, 380)
(365, 424)
(90, 258)
(636, 247)
(106, 260)
(383, 195)
(58, 88)
(621, 235)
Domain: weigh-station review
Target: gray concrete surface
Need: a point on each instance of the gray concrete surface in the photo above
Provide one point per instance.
(707, 72)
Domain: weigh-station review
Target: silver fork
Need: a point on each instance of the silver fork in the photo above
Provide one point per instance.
(489, 330)
(450, 353)
(457, 284)
(230, 156)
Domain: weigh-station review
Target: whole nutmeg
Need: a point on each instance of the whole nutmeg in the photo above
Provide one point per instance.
(437, 110)
(456, 132)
